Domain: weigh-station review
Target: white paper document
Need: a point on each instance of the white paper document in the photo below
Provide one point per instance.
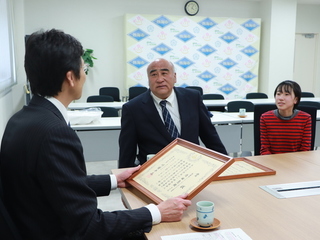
(289, 190)
(227, 234)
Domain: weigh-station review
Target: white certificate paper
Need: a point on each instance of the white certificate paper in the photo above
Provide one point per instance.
(227, 234)
(179, 171)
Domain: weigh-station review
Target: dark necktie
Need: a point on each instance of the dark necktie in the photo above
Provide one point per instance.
(171, 127)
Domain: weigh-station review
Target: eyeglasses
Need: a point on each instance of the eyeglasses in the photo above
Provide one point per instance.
(85, 67)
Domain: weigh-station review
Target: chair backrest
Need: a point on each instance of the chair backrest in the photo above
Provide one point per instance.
(100, 98)
(234, 106)
(111, 91)
(262, 108)
(212, 96)
(310, 104)
(307, 94)
(109, 112)
(313, 113)
(196, 88)
(255, 95)
(8, 229)
(136, 91)
(259, 109)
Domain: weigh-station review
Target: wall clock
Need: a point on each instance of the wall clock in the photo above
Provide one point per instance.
(191, 8)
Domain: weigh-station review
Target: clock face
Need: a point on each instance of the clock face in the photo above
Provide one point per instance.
(191, 8)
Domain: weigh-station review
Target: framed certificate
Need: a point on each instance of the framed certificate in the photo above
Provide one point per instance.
(243, 167)
(181, 167)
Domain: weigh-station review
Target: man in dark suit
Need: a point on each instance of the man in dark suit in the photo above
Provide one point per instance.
(143, 124)
(45, 186)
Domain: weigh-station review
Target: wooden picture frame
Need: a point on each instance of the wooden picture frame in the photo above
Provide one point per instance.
(181, 167)
(243, 167)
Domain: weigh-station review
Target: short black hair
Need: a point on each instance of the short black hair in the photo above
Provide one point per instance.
(49, 56)
(289, 86)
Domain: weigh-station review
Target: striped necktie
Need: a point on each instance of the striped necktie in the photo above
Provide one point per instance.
(171, 127)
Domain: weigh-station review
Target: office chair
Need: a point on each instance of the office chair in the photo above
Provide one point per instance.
(262, 108)
(100, 98)
(196, 88)
(109, 112)
(234, 106)
(214, 96)
(8, 229)
(136, 91)
(111, 91)
(310, 103)
(307, 94)
(255, 95)
(257, 112)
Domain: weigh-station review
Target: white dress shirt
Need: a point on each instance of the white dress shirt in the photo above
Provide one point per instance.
(172, 106)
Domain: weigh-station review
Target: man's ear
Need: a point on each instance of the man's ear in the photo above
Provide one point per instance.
(70, 78)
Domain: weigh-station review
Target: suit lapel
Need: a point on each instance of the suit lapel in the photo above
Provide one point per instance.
(184, 109)
(152, 114)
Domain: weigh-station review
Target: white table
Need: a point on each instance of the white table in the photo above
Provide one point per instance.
(81, 105)
(100, 140)
(118, 105)
(223, 103)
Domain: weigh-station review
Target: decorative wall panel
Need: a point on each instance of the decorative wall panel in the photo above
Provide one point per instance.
(219, 54)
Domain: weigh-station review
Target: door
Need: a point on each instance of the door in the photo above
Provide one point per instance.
(304, 71)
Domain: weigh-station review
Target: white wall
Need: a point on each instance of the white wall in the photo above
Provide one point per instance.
(99, 24)
(12, 101)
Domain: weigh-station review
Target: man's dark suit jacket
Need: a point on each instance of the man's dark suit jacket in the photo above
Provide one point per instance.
(142, 127)
(46, 188)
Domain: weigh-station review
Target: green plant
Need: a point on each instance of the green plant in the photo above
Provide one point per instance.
(88, 58)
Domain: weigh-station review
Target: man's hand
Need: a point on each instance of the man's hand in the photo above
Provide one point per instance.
(172, 209)
(121, 177)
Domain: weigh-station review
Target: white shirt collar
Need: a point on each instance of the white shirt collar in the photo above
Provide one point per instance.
(169, 99)
(60, 107)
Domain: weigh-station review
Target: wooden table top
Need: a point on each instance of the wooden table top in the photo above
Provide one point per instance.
(241, 203)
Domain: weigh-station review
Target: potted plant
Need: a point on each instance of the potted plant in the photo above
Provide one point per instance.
(88, 58)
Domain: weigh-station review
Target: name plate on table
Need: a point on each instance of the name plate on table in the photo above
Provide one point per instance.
(289, 190)
(181, 167)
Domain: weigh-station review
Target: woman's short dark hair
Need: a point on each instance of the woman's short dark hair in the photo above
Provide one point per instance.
(49, 56)
(289, 86)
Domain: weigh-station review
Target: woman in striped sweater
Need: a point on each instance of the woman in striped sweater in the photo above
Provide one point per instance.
(285, 129)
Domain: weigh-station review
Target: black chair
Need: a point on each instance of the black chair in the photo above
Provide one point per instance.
(255, 95)
(262, 108)
(196, 88)
(211, 96)
(100, 98)
(111, 91)
(234, 106)
(310, 104)
(257, 112)
(136, 91)
(109, 112)
(8, 229)
(214, 96)
(307, 94)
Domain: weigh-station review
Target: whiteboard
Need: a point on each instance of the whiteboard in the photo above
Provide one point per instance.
(7, 60)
